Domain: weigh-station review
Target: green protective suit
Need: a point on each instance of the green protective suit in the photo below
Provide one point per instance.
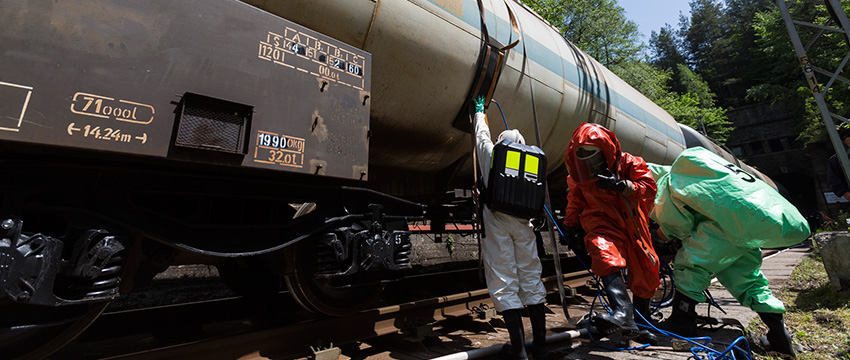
(724, 216)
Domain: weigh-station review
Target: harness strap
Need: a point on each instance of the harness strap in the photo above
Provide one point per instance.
(490, 62)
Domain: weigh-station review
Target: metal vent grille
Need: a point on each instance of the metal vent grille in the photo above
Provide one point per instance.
(213, 124)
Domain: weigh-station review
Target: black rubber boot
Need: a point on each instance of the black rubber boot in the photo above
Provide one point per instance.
(646, 336)
(513, 320)
(620, 319)
(683, 319)
(537, 313)
(778, 338)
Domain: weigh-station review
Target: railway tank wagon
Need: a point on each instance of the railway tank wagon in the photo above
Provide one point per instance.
(289, 139)
(427, 61)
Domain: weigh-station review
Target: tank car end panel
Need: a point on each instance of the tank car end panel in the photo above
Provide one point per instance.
(184, 81)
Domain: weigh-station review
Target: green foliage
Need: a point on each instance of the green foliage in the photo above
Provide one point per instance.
(815, 130)
(704, 36)
(747, 66)
(786, 82)
(685, 108)
(666, 48)
(726, 53)
(693, 107)
(781, 83)
(817, 316)
(599, 27)
(692, 83)
(838, 224)
(649, 80)
(450, 244)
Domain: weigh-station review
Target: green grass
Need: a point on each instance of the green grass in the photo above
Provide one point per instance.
(817, 317)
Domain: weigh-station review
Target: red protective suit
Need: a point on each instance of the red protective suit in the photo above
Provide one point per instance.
(617, 235)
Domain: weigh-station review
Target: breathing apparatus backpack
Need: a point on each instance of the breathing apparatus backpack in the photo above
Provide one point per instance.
(516, 185)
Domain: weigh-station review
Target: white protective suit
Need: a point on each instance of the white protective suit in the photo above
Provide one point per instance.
(511, 266)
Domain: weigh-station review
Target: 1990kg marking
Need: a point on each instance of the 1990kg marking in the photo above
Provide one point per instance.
(273, 148)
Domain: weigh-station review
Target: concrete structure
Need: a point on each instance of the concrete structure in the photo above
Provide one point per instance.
(835, 252)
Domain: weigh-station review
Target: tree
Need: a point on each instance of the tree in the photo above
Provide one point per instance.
(647, 79)
(704, 37)
(694, 107)
(707, 42)
(599, 27)
(786, 82)
(746, 65)
(693, 84)
(665, 47)
(686, 110)
(783, 77)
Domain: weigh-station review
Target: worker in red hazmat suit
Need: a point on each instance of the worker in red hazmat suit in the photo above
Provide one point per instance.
(691, 194)
(610, 196)
(511, 266)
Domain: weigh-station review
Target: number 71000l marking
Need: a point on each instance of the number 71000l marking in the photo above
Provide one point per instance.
(107, 107)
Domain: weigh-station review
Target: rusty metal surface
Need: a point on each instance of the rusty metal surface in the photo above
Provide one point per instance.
(108, 75)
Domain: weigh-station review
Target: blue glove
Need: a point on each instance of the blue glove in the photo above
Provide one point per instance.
(607, 181)
(479, 104)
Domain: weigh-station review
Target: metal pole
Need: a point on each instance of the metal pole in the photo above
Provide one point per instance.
(808, 71)
(842, 17)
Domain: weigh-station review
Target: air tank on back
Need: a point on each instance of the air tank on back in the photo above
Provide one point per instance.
(425, 59)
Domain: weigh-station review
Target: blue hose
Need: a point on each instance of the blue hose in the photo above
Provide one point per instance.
(700, 343)
(503, 113)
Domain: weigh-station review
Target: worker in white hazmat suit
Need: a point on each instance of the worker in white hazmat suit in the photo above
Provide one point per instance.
(511, 266)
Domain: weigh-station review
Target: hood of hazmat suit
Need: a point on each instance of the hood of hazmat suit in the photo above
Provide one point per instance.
(512, 135)
(703, 186)
(581, 159)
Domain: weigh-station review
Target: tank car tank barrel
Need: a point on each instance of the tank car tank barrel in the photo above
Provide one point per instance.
(424, 61)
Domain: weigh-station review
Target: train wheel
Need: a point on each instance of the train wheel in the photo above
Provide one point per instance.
(315, 296)
(320, 298)
(43, 330)
(312, 294)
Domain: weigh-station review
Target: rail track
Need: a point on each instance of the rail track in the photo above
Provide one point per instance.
(245, 327)
(236, 327)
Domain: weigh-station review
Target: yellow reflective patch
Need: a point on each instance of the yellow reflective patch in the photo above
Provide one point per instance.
(531, 164)
(512, 160)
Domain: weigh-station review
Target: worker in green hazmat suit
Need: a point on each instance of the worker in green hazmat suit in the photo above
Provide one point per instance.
(723, 216)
